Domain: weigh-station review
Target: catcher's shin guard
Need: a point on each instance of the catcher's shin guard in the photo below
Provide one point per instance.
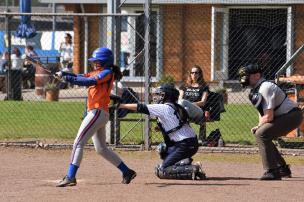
(184, 172)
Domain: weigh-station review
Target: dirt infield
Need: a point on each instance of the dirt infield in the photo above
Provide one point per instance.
(31, 175)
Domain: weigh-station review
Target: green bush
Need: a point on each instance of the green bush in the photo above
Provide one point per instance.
(165, 79)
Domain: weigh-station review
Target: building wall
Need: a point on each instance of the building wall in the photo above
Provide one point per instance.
(173, 36)
(187, 39)
(197, 31)
(93, 26)
(299, 37)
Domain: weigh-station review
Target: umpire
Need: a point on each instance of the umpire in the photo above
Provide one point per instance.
(278, 115)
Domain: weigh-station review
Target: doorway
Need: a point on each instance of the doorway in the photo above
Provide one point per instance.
(257, 36)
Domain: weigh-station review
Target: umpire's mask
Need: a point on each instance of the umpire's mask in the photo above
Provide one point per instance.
(245, 71)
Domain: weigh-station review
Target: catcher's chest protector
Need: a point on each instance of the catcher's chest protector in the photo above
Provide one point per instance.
(180, 113)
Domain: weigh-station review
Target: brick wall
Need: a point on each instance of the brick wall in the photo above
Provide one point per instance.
(186, 38)
(173, 35)
(78, 41)
(93, 27)
(197, 32)
(299, 37)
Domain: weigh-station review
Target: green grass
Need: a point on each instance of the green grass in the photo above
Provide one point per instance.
(40, 120)
(235, 125)
(61, 120)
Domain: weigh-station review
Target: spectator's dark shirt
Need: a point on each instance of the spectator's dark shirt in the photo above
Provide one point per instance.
(194, 94)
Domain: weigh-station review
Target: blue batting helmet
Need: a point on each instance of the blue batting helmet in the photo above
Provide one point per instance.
(103, 55)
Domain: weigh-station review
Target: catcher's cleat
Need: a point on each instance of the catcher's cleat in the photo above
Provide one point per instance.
(127, 177)
(200, 174)
(285, 171)
(66, 181)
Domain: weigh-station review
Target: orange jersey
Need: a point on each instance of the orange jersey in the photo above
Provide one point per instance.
(99, 94)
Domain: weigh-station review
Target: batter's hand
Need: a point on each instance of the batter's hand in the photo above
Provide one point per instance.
(58, 75)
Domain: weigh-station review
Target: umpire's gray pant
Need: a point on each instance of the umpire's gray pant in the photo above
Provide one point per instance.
(280, 126)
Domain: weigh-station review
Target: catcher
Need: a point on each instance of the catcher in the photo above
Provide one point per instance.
(180, 141)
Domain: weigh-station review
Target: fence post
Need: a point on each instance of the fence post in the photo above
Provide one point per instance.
(117, 47)
(9, 47)
(147, 127)
(110, 44)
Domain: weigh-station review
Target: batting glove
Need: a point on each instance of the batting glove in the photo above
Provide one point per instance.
(58, 74)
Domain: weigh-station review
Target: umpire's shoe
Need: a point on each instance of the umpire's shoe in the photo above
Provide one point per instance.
(271, 174)
(128, 176)
(66, 181)
(285, 171)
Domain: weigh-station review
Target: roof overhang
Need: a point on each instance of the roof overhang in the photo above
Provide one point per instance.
(223, 2)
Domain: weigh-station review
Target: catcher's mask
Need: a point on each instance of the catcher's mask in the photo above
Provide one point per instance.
(165, 93)
(245, 71)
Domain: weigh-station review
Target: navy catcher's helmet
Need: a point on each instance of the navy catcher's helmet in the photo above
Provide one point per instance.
(166, 93)
(245, 71)
(103, 55)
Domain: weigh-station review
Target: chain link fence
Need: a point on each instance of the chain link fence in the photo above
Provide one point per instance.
(217, 38)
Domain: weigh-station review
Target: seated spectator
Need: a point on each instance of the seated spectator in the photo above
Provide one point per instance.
(30, 52)
(4, 62)
(196, 90)
(66, 53)
(28, 75)
(17, 62)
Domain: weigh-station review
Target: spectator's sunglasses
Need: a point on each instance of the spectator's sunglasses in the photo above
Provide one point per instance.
(194, 72)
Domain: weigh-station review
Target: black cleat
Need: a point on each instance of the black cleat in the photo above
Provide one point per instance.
(128, 176)
(285, 171)
(272, 174)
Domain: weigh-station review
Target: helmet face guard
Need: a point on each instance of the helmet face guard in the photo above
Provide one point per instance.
(158, 97)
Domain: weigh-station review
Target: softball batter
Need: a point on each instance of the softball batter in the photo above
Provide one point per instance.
(100, 83)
